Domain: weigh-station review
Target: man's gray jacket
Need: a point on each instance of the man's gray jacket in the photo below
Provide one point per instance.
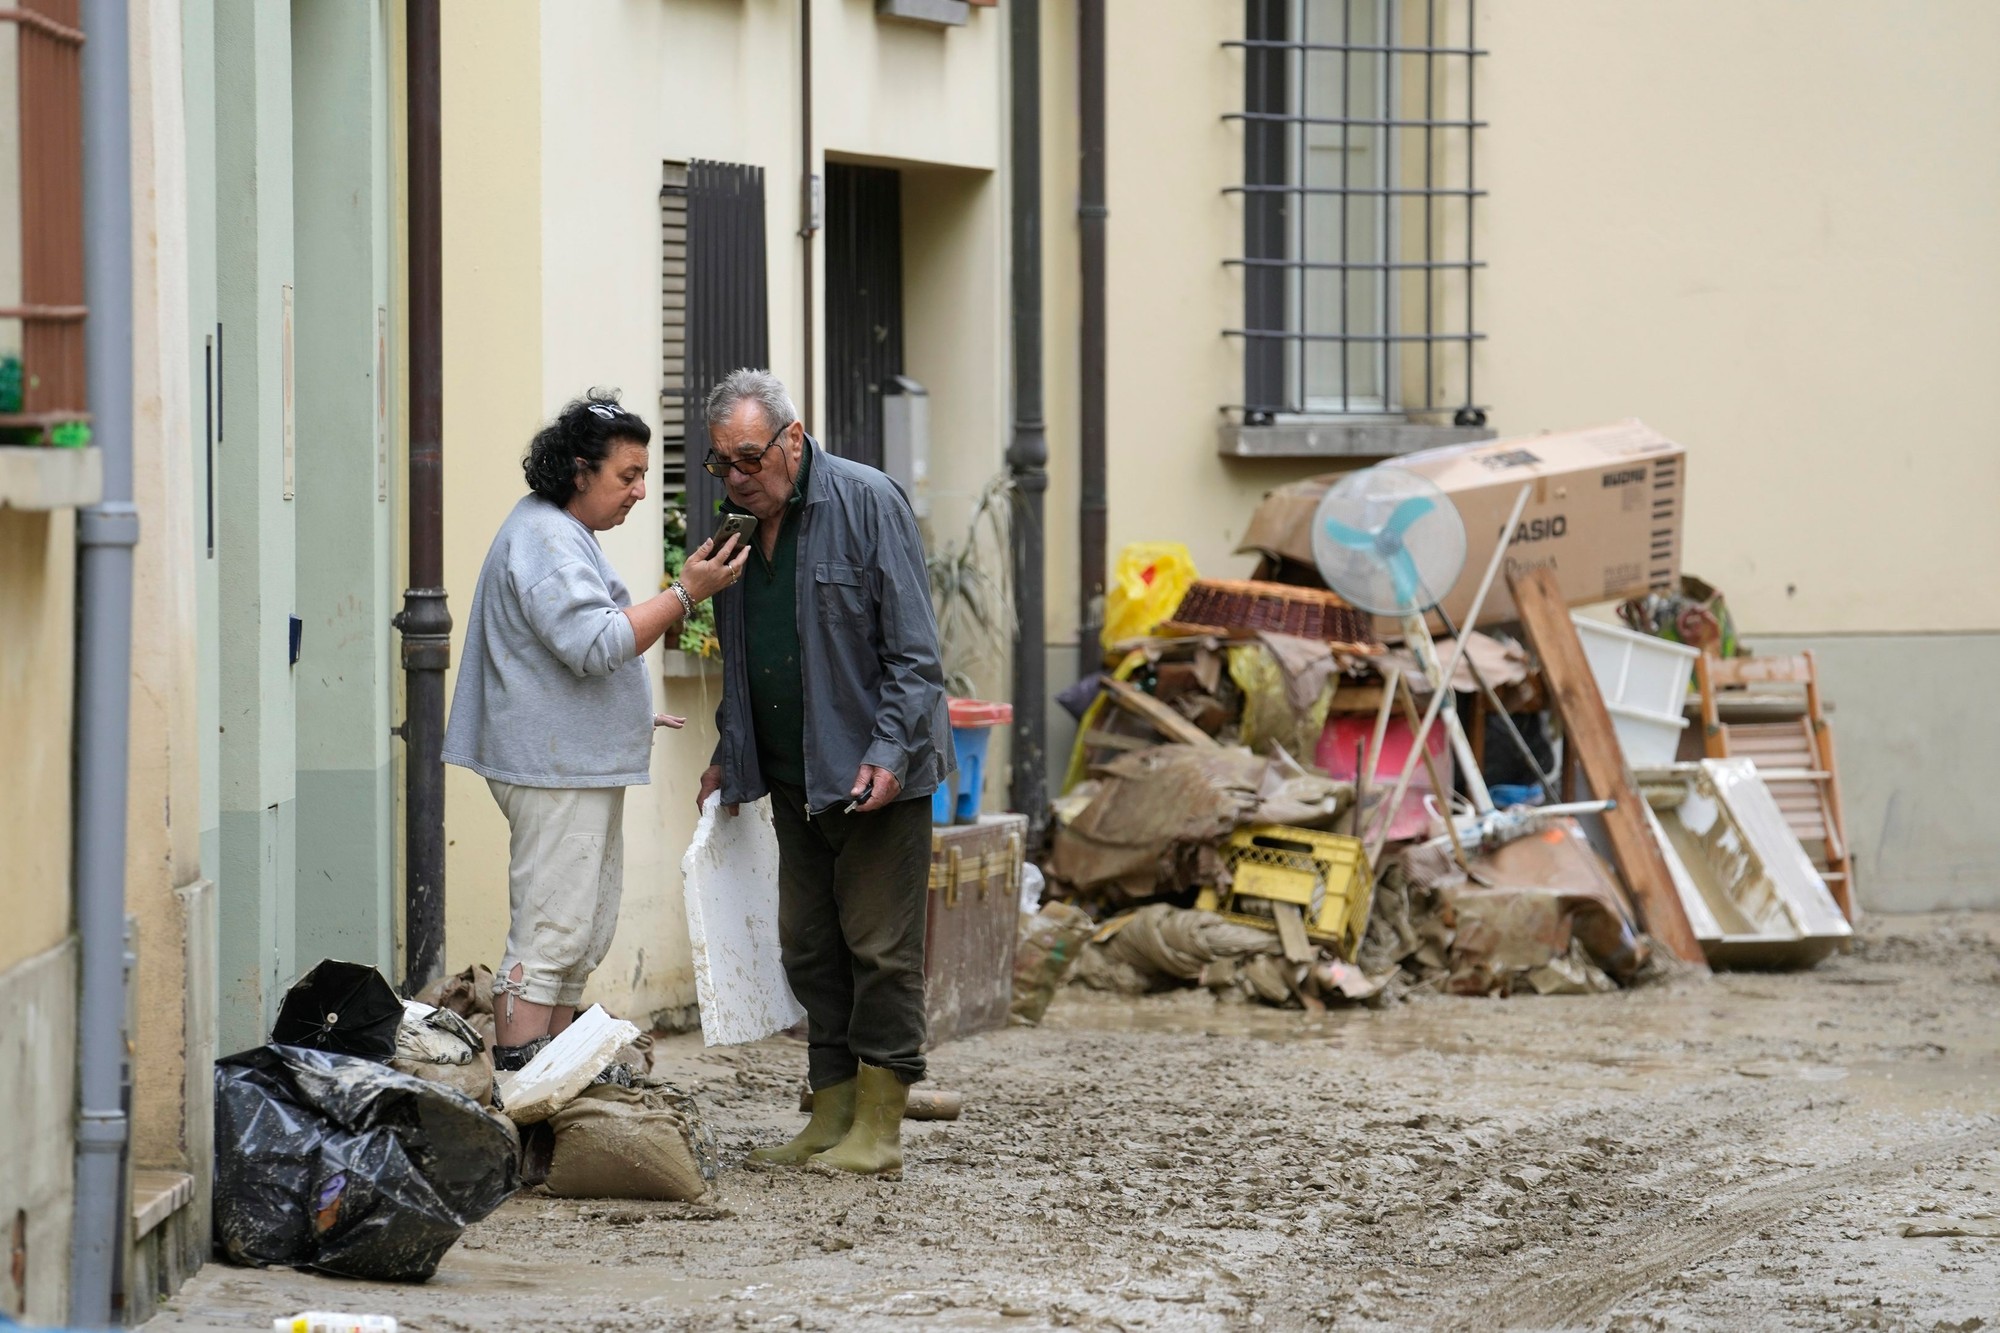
(868, 647)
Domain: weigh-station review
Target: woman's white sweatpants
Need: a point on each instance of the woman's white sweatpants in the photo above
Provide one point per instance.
(565, 875)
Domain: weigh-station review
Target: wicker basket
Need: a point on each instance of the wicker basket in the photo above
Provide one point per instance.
(1226, 606)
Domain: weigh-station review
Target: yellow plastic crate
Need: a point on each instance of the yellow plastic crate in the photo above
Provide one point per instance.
(1324, 874)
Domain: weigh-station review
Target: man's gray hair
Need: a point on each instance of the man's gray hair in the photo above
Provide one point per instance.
(760, 387)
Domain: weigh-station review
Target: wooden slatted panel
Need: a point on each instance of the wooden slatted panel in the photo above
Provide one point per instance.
(1590, 737)
(673, 331)
(51, 104)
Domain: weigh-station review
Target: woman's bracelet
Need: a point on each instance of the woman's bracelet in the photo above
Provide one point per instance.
(687, 602)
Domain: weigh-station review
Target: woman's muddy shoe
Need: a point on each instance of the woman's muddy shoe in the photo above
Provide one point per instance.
(832, 1117)
(513, 1059)
(874, 1147)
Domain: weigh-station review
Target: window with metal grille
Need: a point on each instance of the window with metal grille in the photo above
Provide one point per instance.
(715, 305)
(1359, 129)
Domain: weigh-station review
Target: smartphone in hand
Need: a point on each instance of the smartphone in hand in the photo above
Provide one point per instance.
(741, 526)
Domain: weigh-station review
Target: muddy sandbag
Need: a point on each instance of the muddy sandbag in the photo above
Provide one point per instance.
(1160, 945)
(647, 1141)
(1052, 940)
(465, 994)
(337, 1163)
(444, 1048)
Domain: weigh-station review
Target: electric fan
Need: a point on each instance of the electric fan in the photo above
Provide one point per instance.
(1390, 542)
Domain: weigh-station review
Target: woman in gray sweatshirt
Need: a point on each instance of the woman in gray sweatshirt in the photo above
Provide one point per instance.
(554, 710)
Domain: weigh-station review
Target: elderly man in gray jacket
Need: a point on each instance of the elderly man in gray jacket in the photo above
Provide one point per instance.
(833, 702)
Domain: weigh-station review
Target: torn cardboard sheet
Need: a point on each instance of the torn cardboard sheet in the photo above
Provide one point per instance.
(730, 874)
(1156, 816)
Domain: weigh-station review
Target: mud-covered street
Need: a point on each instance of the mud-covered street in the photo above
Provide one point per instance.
(1810, 1151)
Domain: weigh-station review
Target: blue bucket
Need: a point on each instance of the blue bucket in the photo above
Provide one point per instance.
(957, 799)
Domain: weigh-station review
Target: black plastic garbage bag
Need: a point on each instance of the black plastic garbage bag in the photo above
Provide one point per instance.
(343, 1007)
(340, 1164)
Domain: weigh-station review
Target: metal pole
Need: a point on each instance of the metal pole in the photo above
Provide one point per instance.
(1092, 215)
(1028, 454)
(808, 207)
(425, 619)
(106, 534)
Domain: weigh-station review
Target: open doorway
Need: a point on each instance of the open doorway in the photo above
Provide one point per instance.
(864, 304)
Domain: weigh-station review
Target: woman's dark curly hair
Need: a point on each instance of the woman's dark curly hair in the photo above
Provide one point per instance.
(577, 442)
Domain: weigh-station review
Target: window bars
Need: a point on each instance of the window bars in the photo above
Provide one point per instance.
(1359, 129)
(715, 313)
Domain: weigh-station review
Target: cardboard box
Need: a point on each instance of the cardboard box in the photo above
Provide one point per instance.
(1604, 513)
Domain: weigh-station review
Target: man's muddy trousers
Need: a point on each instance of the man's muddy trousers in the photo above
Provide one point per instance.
(852, 893)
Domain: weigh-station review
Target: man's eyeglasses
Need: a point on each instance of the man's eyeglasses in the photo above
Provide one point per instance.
(718, 466)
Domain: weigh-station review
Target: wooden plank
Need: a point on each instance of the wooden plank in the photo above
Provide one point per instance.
(1098, 739)
(1588, 731)
(1160, 717)
(1292, 933)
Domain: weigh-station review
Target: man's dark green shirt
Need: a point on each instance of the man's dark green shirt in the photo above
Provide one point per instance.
(771, 634)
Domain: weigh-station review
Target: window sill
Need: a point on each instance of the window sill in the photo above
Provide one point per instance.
(931, 13)
(41, 477)
(1331, 437)
(676, 664)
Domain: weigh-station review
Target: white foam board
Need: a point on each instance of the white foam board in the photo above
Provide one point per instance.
(730, 874)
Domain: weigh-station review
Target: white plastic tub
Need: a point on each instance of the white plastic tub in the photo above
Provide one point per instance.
(1752, 897)
(1648, 739)
(1644, 682)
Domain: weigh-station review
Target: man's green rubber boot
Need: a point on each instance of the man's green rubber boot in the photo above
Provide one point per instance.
(832, 1117)
(874, 1147)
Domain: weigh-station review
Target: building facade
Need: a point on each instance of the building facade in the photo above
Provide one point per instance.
(1756, 227)
(1337, 231)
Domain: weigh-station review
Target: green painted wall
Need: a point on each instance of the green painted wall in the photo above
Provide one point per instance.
(340, 193)
(256, 524)
(198, 108)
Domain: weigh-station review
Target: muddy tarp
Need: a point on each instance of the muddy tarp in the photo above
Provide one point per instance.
(343, 1165)
(1155, 821)
(1156, 817)
(1542, 912)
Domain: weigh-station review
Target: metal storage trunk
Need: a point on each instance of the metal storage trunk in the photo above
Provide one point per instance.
(974, 920)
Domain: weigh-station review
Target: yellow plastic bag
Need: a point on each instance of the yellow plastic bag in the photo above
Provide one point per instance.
(1146, 588)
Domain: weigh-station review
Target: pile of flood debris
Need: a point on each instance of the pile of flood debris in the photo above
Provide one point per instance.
(1566, 777)
(370, 1131)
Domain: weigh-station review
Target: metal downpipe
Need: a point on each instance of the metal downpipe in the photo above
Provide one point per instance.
(1092, 216)
(425, 620)
(1028, 453)
(106, 534)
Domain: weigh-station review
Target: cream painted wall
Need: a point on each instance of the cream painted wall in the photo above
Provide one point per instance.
(163, 808)
(899, 90)
(37, 656)
(492, 183)
(1764, 231)
(1767, 230)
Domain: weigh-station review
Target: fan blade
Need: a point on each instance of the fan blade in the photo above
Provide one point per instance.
(1352, 538)
(1403, 570)
(1408, 513)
